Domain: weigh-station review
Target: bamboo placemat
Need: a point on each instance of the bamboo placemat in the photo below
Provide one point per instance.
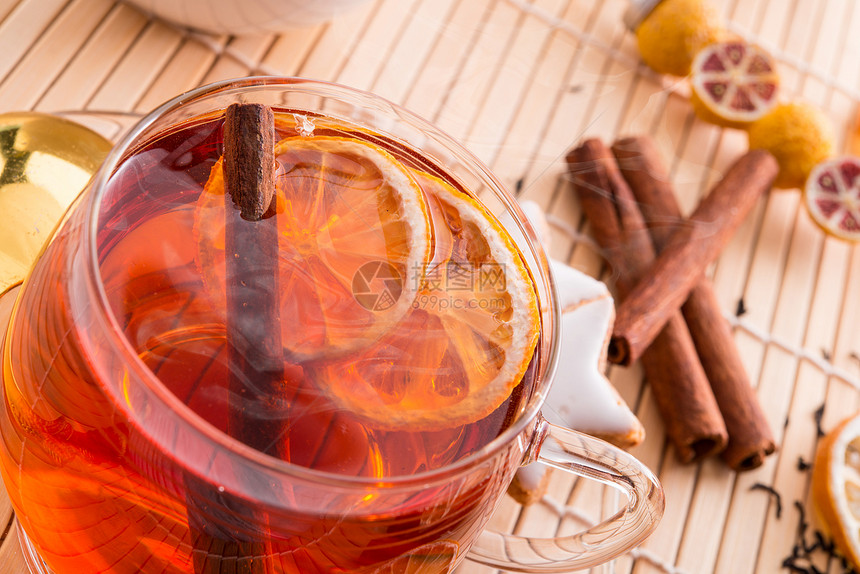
(520, 82)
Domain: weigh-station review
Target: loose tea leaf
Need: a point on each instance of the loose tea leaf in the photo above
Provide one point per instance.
(772, 491)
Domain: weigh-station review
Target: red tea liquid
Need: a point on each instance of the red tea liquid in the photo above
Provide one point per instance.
(95, 491)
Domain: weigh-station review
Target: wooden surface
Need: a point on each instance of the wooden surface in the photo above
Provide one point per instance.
(520, 82)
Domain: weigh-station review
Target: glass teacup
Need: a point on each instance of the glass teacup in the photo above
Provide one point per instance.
(123, 446)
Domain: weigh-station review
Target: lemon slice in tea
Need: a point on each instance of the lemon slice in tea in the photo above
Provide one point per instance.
(733, 83)
(468, 339)
(353, 232)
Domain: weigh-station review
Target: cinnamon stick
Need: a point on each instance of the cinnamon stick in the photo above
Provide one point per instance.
(688, 252)
(249, 159)
(253, 303)
(255, 355)
(672, 369)
(750, 436)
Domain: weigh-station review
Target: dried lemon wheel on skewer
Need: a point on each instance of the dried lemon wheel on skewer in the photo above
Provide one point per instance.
(832, 197)
(466, 343)
(353, 230)
(733, 84)
(836, 486)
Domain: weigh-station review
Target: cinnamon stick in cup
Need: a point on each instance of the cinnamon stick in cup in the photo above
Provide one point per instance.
(253, 302)
(677, 380)
(255, 354)
(750, 436)
(693, 247)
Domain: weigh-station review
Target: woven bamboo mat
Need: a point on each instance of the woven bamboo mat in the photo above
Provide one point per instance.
(520, 82)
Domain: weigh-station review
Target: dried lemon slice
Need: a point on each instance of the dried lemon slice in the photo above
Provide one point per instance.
(353, 230)
(468, 339)
(733, 83)
(836, 486)
(832, 197)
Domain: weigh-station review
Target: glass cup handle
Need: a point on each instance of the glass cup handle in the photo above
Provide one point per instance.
(591, 458)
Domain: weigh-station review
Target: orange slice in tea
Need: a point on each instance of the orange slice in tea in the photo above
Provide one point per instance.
(733, 83)
(468, 339)
(354, 237)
